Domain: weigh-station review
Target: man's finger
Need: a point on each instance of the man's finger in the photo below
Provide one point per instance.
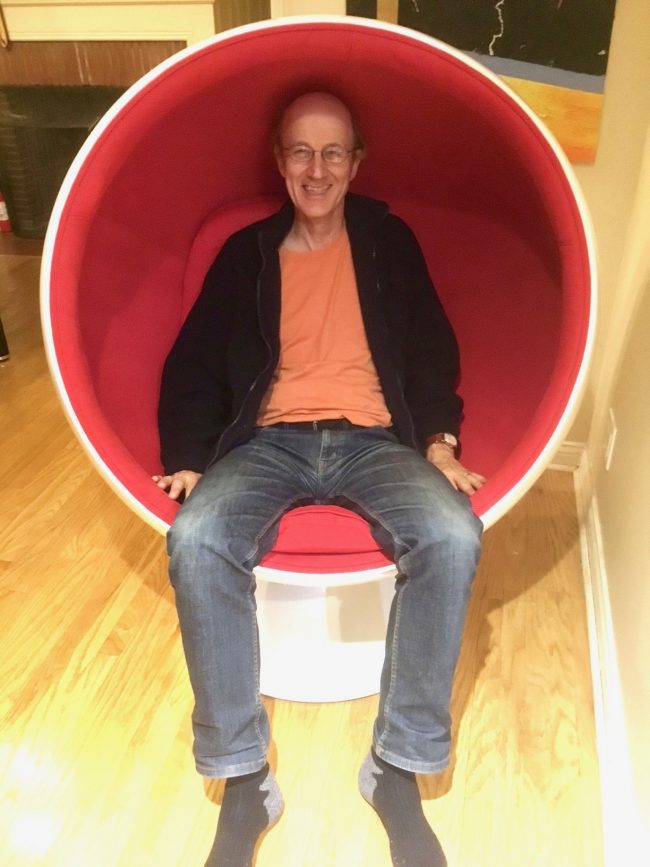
(466, 486)
(177, 488)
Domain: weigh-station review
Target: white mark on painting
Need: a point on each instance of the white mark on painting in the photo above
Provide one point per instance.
(499, 9)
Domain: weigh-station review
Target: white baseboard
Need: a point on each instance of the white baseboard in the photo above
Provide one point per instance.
(623, 835)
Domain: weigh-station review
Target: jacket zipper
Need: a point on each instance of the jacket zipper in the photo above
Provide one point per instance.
(235, 421)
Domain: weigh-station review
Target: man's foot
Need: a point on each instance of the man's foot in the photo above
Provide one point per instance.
(395, 796)
(250, 805)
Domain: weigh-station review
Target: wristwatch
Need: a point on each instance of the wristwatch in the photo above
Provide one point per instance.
(446, 439)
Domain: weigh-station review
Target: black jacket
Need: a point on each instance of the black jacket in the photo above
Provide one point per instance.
(223, 360)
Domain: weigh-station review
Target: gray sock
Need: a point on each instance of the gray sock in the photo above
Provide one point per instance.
(251, 804)
(395, 796)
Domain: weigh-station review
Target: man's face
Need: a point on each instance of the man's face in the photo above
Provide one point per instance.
(317, 188)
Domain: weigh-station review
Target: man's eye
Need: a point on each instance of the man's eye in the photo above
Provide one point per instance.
(301, 153)
(334, 154)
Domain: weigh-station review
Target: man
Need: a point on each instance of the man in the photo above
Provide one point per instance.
(318, 366)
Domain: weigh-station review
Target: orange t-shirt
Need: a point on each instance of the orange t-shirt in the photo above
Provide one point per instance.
(325, 368)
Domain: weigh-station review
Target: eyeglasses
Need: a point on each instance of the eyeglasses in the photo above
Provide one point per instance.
(332, 154)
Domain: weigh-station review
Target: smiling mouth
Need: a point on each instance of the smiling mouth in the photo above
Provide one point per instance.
(316, 191)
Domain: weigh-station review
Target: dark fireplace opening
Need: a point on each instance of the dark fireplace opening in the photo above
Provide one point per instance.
(41, 130)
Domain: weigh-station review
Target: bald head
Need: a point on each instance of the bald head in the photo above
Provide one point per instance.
(311, 107)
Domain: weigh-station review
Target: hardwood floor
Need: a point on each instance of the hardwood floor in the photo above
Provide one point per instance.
(95, 748)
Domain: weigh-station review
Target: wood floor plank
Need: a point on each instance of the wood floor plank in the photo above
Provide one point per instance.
(95, 740)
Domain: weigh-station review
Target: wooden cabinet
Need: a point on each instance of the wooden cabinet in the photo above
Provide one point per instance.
(105, 63)
(111, 43)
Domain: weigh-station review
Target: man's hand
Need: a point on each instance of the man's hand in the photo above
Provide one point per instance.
(442, 457)
(182, 482)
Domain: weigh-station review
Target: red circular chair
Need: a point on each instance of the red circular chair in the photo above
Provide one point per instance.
(183, 159)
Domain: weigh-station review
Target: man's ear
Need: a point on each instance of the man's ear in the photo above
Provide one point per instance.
(359, 154)
(279, 159)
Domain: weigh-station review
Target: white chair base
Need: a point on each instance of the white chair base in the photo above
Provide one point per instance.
(322, 643)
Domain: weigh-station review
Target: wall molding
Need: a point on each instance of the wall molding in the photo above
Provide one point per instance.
(184, 21)
(623, 836)
(568, 456)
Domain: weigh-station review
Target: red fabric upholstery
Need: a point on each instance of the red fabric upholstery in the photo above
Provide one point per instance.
(185, 161)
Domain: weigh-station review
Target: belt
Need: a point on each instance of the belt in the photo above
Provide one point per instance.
(319, 424)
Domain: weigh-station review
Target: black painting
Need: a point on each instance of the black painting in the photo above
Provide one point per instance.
(362, 8)
(565, 34)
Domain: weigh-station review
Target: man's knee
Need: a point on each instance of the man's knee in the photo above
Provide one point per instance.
(200, 542)
(455, 528)
(464, 528)
(211, 546)
(190, 530)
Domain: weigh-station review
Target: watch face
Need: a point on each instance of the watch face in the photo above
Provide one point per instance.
(445, 438)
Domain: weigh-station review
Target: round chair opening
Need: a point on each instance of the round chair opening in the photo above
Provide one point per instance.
(184, 159)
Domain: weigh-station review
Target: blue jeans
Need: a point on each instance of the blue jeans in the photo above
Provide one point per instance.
(230, 521)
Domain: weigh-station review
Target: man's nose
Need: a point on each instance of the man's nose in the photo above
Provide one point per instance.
(317, 166)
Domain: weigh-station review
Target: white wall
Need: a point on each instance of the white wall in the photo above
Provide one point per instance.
(623, 493)
(307, 7)
(609, 185)
(617, 188)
